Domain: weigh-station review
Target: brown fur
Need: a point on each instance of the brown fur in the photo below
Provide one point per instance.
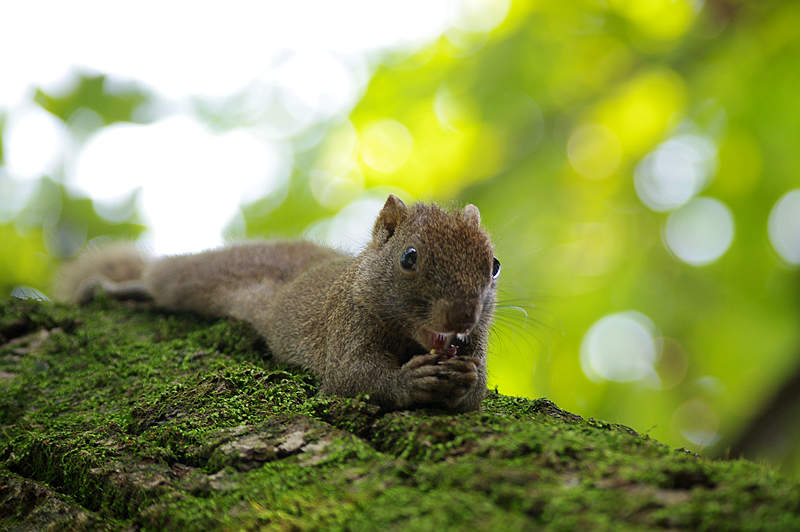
(361, 324)
(113, 263)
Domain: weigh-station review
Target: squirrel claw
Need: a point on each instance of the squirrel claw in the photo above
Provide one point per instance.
(438, 377)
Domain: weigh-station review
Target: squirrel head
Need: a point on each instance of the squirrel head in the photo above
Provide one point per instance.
(429, 273)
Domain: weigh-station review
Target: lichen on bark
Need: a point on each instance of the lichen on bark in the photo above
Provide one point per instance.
(119, 416)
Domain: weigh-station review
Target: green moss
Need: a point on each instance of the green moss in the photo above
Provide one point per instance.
(119, 415)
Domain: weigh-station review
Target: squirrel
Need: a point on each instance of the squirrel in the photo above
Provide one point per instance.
(405, 322)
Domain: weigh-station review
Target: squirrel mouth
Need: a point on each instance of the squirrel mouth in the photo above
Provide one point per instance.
(446, 343)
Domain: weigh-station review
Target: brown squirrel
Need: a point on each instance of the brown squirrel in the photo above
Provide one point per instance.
(406, 321)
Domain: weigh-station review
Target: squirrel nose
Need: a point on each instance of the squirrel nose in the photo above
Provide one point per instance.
(457, 315)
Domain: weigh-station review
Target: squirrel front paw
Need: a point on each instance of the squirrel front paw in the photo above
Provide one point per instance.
(437, 379)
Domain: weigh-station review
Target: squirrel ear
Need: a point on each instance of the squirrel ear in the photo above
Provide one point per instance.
(472, 214)
(394, 211)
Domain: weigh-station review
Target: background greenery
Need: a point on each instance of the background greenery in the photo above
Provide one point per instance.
(543, 124)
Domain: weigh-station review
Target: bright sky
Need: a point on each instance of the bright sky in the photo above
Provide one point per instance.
(312, 57)
(194, 47)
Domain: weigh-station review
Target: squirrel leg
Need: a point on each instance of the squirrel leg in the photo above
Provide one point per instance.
(132, 290)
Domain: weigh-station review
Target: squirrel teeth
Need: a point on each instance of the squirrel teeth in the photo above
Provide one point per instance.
(447, 342)
(441, 340)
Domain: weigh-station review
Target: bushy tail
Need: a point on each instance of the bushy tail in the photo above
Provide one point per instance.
(113, 263)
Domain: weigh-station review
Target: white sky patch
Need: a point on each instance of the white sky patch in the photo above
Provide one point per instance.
(191, 180)
(308, 86)
(317, 79)
(35, 143)
(183, 47)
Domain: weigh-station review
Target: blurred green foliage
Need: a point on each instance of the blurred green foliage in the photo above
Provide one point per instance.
(53, 225)
(543, 124)
(2, 125)
(92, 92)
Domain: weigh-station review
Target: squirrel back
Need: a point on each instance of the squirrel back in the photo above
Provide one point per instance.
(406, 321)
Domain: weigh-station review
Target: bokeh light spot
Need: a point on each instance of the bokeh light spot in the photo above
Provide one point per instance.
(335, 190)
(386, 145)
(643, 109)
(709, 385)
(696, 421)
(699, 232)
(453, 113)
(593, 249)
(84, 121)
(340, 151)
(784, 227)
(594, 151)
(480, 15)
(465, 42)
(347, 231)
(14, 194)
(672, 364)
(620, 347)
(65, 239)
(675, 171)
(310, 86)
(659, 19)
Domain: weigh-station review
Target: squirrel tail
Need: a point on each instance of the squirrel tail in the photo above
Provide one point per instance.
(105, 265)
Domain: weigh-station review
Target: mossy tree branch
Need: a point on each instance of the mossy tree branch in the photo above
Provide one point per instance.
(118, 415)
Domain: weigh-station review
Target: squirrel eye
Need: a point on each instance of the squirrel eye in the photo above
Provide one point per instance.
(495, 268)
(409, 259)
